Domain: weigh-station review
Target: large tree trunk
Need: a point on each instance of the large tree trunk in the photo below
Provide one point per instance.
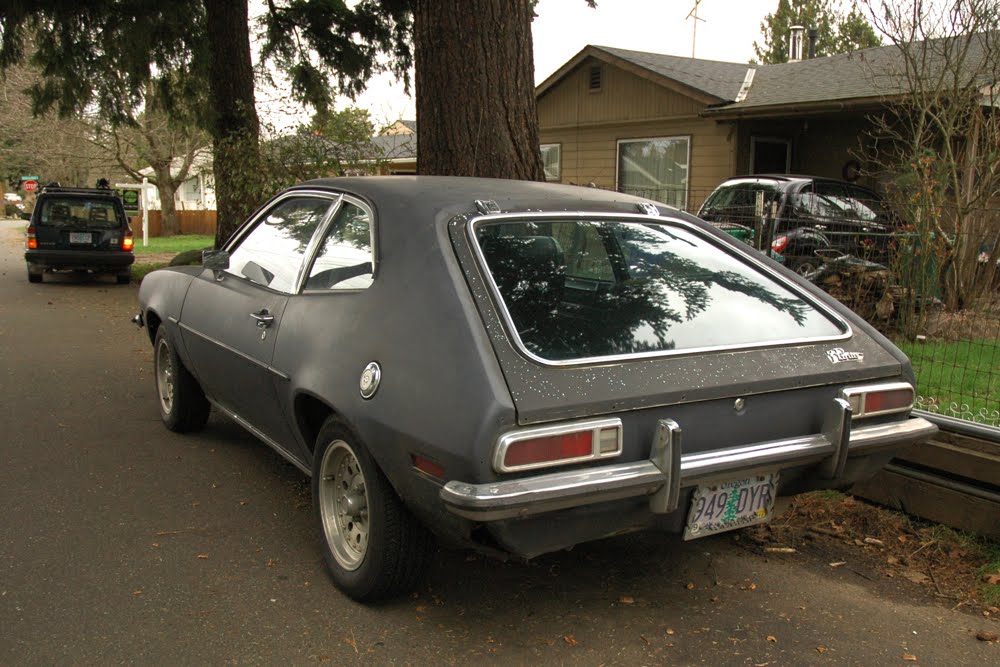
(235, 126)
(475, 89)
(166, 189)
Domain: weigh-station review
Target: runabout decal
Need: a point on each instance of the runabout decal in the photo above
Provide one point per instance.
(838, 354)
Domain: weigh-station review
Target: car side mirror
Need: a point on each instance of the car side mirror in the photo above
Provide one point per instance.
(216, 260)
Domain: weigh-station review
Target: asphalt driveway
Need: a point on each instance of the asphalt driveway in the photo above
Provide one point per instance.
(125, 543)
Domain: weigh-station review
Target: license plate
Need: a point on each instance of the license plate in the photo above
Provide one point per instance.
(728, 505)
(80, 237)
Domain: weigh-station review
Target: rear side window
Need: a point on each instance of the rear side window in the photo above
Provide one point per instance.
(78, 212)
(588, 289)
(345, 259)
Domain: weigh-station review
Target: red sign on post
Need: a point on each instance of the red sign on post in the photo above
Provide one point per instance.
(29, 186)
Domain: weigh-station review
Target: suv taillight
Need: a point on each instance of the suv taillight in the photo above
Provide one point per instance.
(32, 242)
(128, 241)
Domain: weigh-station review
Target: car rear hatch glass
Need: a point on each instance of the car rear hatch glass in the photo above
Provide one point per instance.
(78, 223)
(585, 290)
(601, 313)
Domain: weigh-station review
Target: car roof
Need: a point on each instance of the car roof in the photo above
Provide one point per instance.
(452, 195)
(789, 179)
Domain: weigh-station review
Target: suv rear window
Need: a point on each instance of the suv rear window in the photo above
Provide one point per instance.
(583, 289)
(78, 212)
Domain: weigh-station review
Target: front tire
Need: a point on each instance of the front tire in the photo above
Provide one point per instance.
(183, 406)
(373, 546)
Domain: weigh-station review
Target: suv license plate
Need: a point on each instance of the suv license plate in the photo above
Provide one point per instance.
(719, 507)
(80, 237)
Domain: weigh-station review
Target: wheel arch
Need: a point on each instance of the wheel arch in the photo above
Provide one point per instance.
(311, 412)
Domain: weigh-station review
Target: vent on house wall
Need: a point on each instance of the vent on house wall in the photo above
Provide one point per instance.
(595, 78)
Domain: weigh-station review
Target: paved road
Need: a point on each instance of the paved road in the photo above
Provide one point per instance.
(124, 543)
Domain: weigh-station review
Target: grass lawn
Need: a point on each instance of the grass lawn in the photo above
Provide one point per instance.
(174, 244)
(966, 373)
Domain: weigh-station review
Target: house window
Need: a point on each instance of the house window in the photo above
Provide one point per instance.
(551, 161)
(190, 190)
(655, 168)
(595, 78)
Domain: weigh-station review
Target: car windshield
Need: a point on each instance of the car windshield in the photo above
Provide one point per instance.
(740, 199)
(78, 212)
(583, 289)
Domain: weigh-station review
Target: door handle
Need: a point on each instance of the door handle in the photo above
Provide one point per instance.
(263, 318)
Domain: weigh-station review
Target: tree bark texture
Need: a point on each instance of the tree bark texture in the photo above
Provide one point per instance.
(235, 126)
(167, 189)
(475, 89)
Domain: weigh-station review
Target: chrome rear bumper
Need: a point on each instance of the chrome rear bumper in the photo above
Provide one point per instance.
(668, 470)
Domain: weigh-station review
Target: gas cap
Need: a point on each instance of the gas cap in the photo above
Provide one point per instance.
(370, 377)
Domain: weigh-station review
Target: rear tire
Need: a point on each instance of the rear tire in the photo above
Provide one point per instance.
(373, 546)
(183, 406)
(34, 275)
(125, 277)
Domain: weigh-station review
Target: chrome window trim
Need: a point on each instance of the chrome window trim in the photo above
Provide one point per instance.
(259, 215)
(314, 246)
(848, 392)
(744, 255)
(593, 425)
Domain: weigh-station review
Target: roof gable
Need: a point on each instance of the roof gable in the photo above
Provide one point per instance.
(708, 81)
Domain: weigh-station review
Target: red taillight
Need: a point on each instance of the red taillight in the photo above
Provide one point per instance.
(552, 448)
(888, 401)
(128, 241)
(558, 445)
(779, 244)
(32, 241)
(880, 399)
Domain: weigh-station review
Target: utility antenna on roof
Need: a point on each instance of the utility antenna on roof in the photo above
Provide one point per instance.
(693, 14)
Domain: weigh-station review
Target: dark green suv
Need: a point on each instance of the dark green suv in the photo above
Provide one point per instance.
(79, 229)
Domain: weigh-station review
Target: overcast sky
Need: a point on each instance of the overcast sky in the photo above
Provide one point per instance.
(563, 27)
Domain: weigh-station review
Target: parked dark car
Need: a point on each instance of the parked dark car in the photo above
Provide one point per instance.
(79, 229)
(816, 217)
(519, 367)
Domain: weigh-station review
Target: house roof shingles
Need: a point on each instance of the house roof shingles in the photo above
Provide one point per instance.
(716, 78)
(868, 74)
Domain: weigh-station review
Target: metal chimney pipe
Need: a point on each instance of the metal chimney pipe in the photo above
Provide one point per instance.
(813, 37)
(795, 45)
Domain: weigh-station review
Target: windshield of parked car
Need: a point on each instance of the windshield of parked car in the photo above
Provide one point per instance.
(78, 212)
(582, 289)
(737, 201)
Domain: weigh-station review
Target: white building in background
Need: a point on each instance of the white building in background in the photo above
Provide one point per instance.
(197, 193)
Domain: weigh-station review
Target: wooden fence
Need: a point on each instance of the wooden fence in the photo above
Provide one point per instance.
(953, 479)
(191, 222)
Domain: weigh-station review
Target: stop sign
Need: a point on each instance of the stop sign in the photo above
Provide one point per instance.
(29, 186)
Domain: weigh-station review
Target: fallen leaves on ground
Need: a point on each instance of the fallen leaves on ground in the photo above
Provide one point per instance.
(570, 639)
(883, 543)
(985, 636)
(909, 657)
